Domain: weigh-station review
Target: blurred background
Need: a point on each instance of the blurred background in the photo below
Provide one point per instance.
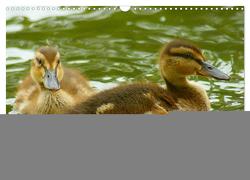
(112, 47)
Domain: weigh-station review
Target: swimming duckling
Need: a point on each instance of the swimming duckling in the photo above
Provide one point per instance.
(50, 88)
(178, 60)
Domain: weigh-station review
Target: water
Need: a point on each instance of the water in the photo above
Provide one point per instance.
(112, 47)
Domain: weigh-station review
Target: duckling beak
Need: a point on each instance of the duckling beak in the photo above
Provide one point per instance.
(211, 71)
(50, 80)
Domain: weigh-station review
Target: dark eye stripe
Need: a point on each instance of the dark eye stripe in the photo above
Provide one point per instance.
(187, 56)
(180, 44)
(190, 56)
(39, 60)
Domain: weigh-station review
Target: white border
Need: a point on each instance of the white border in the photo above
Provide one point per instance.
(125, 3)
(116, 3)
(2, 60)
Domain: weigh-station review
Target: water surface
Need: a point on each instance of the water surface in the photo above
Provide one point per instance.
(112, 47)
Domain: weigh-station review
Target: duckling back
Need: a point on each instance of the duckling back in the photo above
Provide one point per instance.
(128, 99)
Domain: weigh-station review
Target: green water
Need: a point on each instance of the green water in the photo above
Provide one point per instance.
(112, 47)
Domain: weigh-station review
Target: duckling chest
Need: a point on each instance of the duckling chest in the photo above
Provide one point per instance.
(186, 104)
(54, 102)
(193, 100)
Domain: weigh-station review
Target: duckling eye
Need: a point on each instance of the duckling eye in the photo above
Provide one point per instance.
(210, 67)
(58, 62)
(39, 61)
(189, 55)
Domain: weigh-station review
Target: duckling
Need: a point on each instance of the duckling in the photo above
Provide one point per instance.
(178, 60)
(50, 88)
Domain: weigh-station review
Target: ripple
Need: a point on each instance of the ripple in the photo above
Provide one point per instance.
(102, 86)
(19, 55)
(14, 28)
(15, 70)
(112, 47)
(78, 61)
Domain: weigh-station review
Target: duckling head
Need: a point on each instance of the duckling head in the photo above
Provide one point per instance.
(46, 68)
(180, 59)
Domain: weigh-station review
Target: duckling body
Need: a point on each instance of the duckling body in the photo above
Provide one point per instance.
(144, 98)
(178, 60)
(34, 97)
(128, 99)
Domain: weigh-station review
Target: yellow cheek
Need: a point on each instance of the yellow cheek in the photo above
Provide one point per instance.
(60, 73)
(37, 74)
(187, 68)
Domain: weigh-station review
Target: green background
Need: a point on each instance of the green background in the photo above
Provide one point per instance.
(112, 47)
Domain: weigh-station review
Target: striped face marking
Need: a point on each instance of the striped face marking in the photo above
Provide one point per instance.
(180, 58)
(187, 53)
(183, 50)
(46, 68)
(48, 57)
